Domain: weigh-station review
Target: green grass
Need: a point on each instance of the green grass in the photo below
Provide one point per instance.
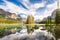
(8, 27)
(9, 21)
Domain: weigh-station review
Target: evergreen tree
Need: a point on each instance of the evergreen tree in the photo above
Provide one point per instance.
(57, 18)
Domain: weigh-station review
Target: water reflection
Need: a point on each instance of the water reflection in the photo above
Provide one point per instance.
(38, 34)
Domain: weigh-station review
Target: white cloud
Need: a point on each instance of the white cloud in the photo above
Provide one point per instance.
(50, 8)
(33, 6)
(38, 17)
(26, 3)
(48, 11)
(37, 5)
(59, 3)
(24, 16)
(12, 8)
(8, 6)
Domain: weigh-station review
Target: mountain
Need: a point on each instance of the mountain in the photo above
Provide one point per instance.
(37, 20)
(45, 18)
(53, 14)
(8, 14)
(4, 12)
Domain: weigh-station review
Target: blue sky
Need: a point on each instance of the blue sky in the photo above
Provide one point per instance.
(38, 8)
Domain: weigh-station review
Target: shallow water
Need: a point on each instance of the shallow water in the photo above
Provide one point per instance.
(36, 35)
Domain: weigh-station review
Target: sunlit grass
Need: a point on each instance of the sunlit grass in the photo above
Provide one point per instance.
(7, 21)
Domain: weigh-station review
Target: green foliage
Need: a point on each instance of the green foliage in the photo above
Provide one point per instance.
(30, 20)
(8, 21)
(2, 32)
(57, 18)
(57, 33)
(49, 21)
(2, 15)
(8, 27)
(44, 22)
(4, 20)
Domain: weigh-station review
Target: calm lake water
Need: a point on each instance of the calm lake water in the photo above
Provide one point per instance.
(36, 35)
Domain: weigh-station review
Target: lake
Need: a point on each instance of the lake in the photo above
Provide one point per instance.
(38, 34)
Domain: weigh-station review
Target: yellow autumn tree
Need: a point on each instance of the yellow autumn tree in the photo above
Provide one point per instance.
(30, 21)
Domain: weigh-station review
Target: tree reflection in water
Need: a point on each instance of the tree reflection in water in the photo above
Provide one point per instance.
(36, 35)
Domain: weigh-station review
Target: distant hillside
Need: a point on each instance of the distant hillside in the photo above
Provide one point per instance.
(45, 18)
(7, 14)
(9, 18)
(4, 12)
